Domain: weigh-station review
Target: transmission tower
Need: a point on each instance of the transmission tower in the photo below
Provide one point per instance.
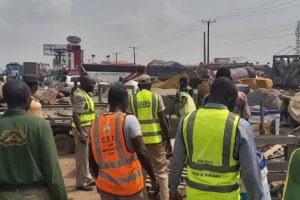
(298, 38)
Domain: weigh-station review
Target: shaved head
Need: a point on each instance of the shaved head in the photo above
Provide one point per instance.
(118, 96)
(87, 83)
(17, 94)
(223, 91)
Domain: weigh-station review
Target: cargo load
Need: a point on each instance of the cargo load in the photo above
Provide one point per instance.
(256, 83)
(270, 98)
(294, 107)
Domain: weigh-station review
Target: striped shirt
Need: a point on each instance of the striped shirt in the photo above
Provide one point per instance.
(244, 152)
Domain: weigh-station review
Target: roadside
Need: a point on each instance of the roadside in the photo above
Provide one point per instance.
(67, 164)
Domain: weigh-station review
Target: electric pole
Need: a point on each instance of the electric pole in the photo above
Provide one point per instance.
(208, 22)
(133, 49)
(298, 38)
(107, 58)
(116, 56)
(204, 48)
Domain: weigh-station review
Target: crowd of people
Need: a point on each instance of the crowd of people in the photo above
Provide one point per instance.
(116, 150)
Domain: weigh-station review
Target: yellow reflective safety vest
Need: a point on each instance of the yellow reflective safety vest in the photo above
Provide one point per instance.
(213, 173)
(88, 114)
(144, 105)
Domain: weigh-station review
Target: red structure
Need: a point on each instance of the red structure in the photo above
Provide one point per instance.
(73, 59)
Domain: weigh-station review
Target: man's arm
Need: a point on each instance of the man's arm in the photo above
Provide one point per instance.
(164, 124)
(178, 162)
(50, 166)
(77, 122)
(94, 168)
(183, 101)
(250, 171)
(78, 107)
(133, 135)
(191, 92)
(144, 158)
(143, 155)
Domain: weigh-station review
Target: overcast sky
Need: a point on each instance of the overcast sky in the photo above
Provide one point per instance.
(163, 29)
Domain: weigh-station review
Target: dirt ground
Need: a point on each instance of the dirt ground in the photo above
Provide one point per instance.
(67, 164)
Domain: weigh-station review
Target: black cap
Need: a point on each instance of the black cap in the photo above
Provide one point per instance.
(31, 78)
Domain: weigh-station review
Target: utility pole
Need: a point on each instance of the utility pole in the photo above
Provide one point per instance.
(107, 58)
(93, 57)
(208, 22)
(133, 49)
(297, 32)
(116, 56)
(204, 48)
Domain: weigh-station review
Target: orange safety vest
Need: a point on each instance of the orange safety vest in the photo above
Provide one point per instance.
(120, 171)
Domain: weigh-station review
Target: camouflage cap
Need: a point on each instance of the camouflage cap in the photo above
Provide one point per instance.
(144, 79)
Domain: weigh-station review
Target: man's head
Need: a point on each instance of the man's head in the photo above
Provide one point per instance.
(17, 95)
(144, 82)
(183, 82)
(223, 91)
(32, 81)
(118, 98)
(87, 83)
(33, 86)
(223, 72)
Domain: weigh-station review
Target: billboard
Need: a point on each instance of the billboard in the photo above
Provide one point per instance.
(54, 49)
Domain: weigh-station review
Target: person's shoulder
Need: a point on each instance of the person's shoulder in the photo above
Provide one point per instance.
(78, 95)
(245, 129)
(130, 118)
(244, 123)
(183, 94)
(37, 120)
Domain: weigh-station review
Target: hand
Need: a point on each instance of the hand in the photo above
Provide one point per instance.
(176, 196)
(155, 188)
(168, 146)
(83, 138)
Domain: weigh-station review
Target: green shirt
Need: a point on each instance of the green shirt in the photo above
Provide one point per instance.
(28, 154)
(292, 187)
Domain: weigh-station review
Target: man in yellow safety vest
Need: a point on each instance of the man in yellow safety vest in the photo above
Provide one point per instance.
(83, 115)
(217, 146)
(149, 108)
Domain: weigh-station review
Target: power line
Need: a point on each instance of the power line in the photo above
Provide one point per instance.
(255, 39)
(262, 30)
(219, 17)
(255, 10)
(179, 34)
(252, 35)
(237, 17)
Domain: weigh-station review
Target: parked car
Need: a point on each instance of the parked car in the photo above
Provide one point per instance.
(64, 84)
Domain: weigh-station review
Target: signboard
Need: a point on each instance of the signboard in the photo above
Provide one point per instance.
(54, 49)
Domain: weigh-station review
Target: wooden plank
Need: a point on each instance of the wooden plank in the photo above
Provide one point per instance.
(277, 166)
(276, 177)
(272, 150)
(276, 198)
(276, 139)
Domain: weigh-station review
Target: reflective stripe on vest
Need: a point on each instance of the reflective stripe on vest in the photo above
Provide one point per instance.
(144, 105)
(206, 171)
(88, 114)
(120, 172)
